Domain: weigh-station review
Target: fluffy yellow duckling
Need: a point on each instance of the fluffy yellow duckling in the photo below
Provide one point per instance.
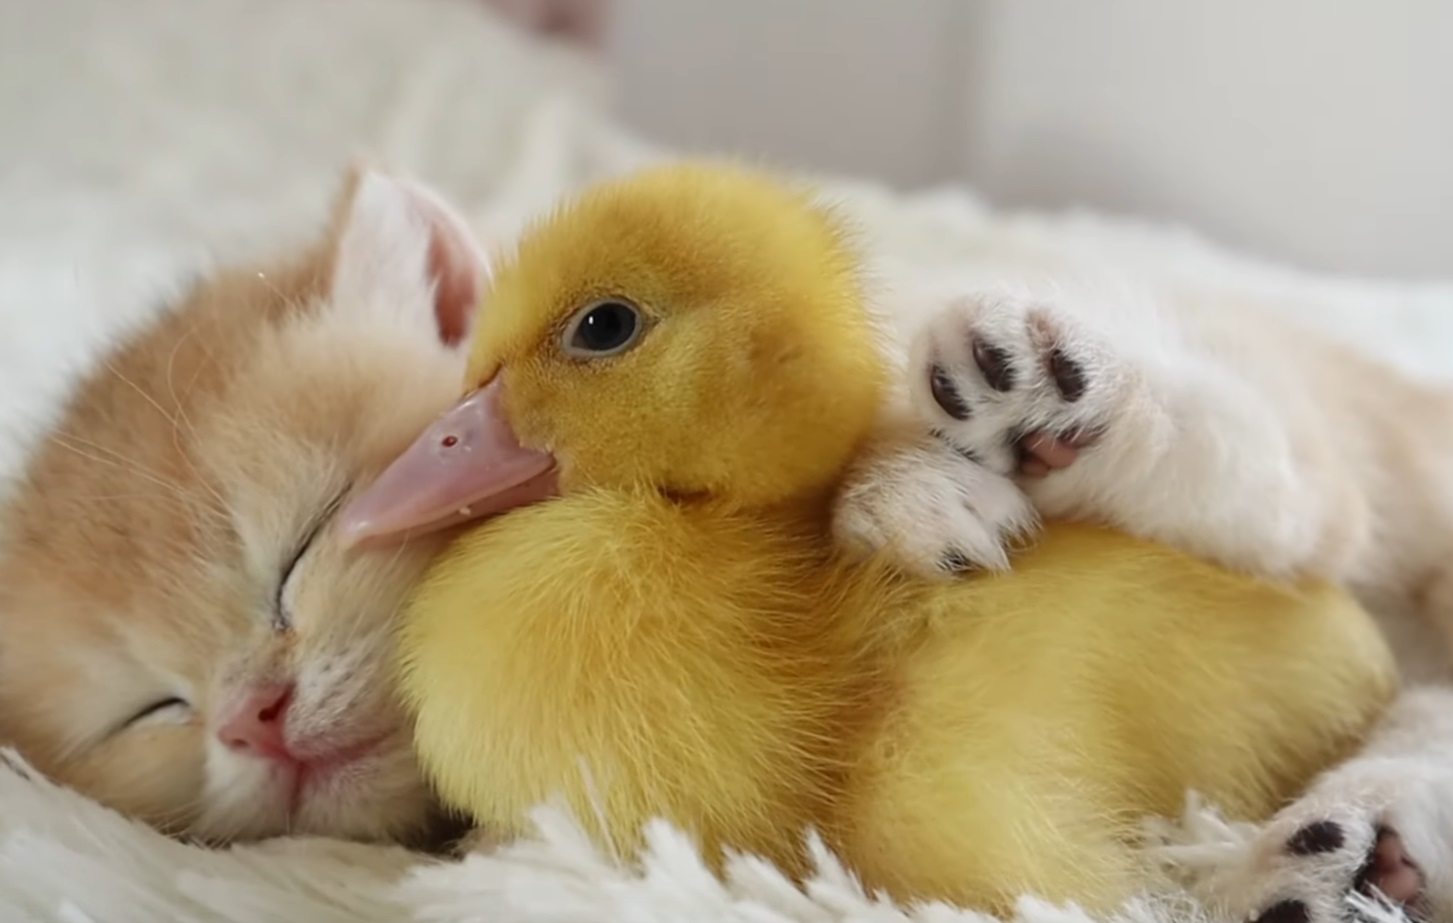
(667, 383)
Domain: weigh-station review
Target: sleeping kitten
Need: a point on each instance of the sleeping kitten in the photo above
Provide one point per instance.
(1234, 434)
(181, 636)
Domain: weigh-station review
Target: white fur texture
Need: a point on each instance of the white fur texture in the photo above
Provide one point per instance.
(1183, 405)
(142, 136)
(64, 858)
(1403, 781)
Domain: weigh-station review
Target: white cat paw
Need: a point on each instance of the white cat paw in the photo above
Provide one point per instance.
(932, 511)
(1370, 839)
(1317, 869)
(1015, 382)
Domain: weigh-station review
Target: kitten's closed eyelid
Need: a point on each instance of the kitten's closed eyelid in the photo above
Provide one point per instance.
(282, 617)
(157, 709)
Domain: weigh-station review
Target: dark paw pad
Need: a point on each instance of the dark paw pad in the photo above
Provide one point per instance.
(1321, 836)
(946, 394)
(993, 362)
(1284, 912)
(1068, 375)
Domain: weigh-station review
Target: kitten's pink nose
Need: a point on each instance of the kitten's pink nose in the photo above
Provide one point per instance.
(257, 722)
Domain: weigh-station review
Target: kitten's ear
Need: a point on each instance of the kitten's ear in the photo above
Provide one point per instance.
(399, 247)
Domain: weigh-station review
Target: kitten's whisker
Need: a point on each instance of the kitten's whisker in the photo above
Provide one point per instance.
(119, 461)
(177, 419)
(181, 410)
(171, 364)
(75, 444)
(180, 814)
(169, 417)
(102, 498)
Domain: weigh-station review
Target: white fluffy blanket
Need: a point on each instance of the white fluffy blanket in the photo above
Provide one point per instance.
(65, 858)
(140, 138)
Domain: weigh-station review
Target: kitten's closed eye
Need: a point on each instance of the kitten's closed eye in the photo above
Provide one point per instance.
(282, 615)
(176, 710)
(171, 710)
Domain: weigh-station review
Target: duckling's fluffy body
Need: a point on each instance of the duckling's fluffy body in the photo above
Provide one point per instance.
(675, 636)
(967, 741)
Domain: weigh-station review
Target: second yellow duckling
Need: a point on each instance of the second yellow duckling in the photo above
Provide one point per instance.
(685, 357)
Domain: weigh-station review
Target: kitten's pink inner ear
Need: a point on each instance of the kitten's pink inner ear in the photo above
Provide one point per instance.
(457, 265)
(458, 286)
(395, 236)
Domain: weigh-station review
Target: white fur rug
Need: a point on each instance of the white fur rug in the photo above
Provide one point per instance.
(65, 858)
(143, 137)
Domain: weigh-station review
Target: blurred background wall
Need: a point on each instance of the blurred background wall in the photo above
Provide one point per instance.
(1314, 131)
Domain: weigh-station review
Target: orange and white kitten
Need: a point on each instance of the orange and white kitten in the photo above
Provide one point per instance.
(181, 636)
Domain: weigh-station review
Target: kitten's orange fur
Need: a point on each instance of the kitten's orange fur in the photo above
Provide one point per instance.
(141, 560)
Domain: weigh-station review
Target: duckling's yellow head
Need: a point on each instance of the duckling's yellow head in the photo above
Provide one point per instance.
(695, 330)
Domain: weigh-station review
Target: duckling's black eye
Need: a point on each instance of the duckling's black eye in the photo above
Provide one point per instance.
(605, 328)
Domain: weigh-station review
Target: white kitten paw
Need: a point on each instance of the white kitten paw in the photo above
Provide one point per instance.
(932, 511)
(1016, 383)
(1311, 872)
(1357, 841)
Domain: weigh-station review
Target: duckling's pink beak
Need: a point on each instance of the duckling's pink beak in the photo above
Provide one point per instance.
(466, 466)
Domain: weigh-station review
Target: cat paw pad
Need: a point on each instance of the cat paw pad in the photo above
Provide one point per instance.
(1014, 383)
(1314, 872)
